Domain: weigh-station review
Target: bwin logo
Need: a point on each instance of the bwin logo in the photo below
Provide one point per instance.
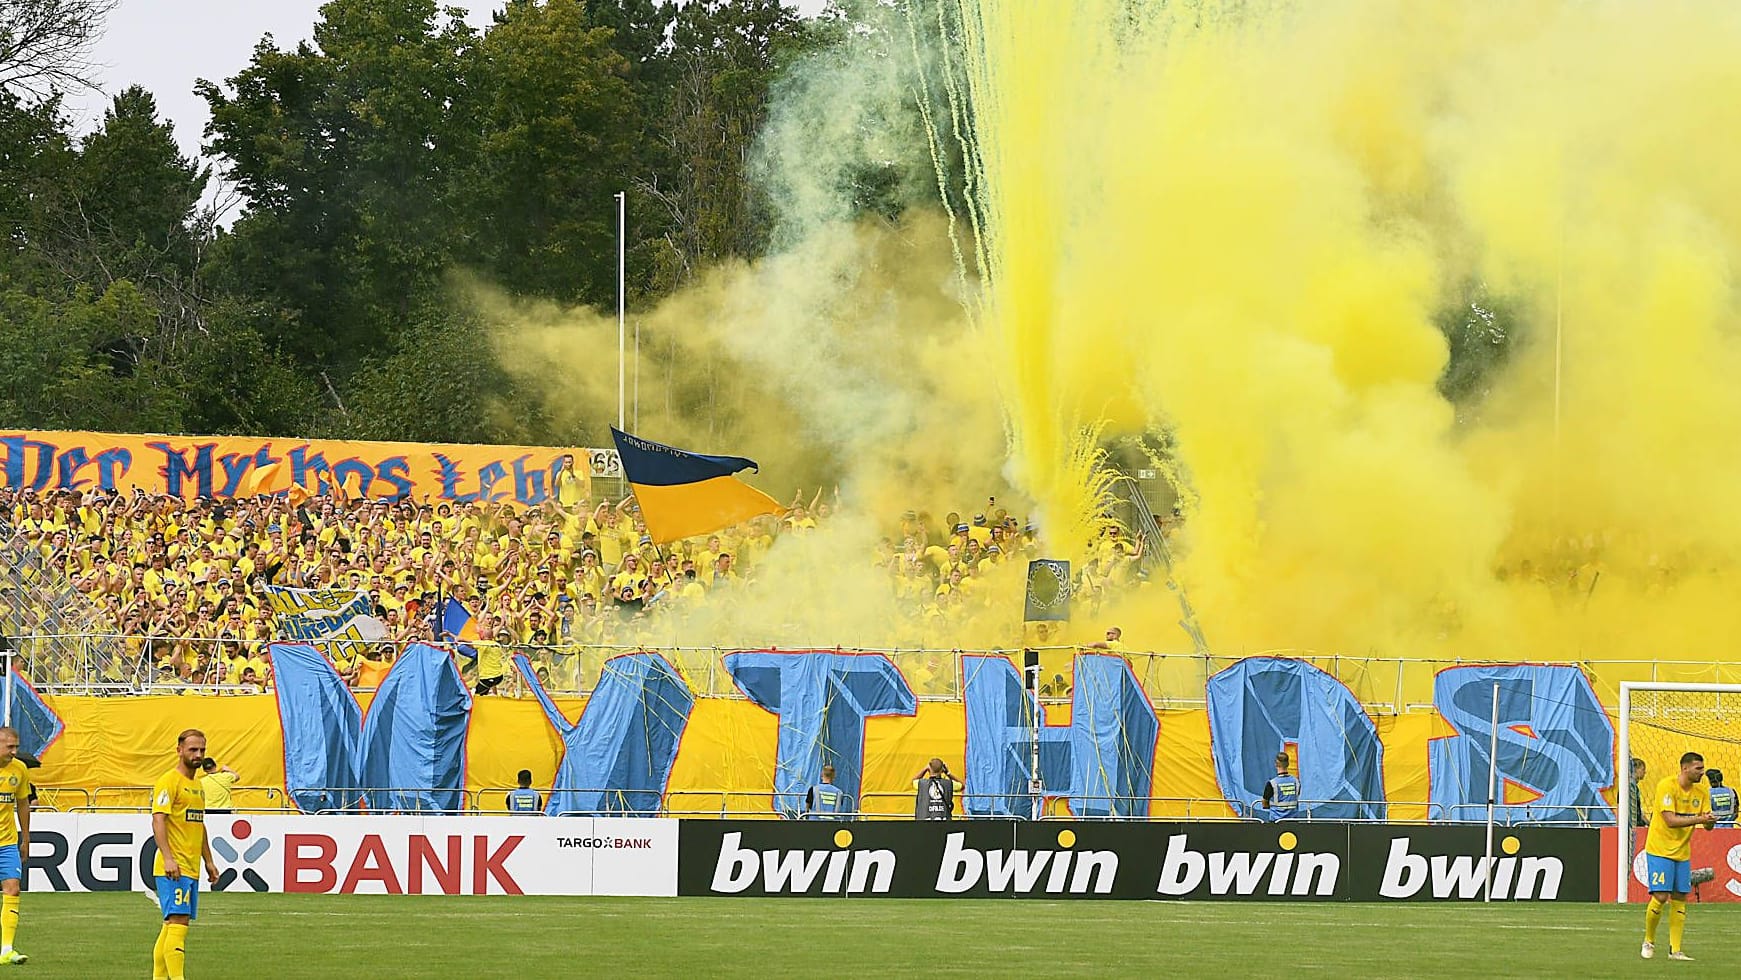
(1462, 875)
(843, 872)
(241, 830)
(1020, 872)
(1183, 870)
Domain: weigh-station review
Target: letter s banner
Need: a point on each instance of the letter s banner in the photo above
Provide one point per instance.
(451, 855)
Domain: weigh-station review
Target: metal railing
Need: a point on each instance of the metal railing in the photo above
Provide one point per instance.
(1173, 680)
(876, 805)
(137, 799)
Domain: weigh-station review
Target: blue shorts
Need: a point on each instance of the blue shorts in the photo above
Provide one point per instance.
(11, 866)
(1667, 875)
(178, 896)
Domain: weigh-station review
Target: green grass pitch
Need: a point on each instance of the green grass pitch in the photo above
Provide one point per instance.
(268, 936)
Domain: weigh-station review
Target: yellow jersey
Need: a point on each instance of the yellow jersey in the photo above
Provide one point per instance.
(14, 786)
(1674, 843)
(216, 786)
(184, 802)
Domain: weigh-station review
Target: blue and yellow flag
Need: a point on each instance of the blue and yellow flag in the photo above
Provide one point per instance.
(458, 625)
(685, 494)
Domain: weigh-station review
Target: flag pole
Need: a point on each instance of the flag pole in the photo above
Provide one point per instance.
(622, 298)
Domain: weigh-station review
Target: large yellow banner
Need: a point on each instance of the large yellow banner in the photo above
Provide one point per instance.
(113, 749)
(221, 466)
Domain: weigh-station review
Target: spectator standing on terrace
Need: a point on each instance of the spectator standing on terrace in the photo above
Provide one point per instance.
(217, 781)
(1114, 642)
(934, 792)
(525, 799)
(492, 662)
(569, 487)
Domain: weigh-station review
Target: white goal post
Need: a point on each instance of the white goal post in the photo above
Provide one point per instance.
(1670, 719)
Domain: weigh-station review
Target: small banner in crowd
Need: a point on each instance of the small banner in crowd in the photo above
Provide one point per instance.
(1048, 599)
(342, 619)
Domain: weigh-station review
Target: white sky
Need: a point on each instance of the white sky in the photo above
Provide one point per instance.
(165, 45)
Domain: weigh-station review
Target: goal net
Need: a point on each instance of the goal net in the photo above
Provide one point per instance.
(1660, 722)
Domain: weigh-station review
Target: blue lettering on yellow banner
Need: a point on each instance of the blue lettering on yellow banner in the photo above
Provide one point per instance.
(617, 757)
(1556, 746)
(221, 466)
(1261, 704)
(1103, 761)
(414, 734)
(822, 700)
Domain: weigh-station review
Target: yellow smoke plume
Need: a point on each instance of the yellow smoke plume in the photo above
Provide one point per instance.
(1240, 221)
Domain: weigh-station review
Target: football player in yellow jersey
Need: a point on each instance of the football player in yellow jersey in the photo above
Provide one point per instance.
(178, 825)
(1681, 803)
(14, 839)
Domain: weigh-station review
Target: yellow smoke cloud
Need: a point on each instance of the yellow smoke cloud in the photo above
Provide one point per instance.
(843, 361)
(1239, 221)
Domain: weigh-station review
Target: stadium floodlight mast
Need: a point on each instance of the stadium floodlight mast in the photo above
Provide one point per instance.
(1690, 714)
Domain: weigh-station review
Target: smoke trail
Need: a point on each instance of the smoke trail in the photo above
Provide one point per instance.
(1244, 223)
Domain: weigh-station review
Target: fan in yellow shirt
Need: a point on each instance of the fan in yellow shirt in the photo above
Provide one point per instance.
(178, 825)
(1681, 803)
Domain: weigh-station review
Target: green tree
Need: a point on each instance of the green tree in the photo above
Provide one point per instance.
(557, 122)
(440, 385)
(34, 149)
(43, 44)
(55, 370)
(346, 150)
(723, 58)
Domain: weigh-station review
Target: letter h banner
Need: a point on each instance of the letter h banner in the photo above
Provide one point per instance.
(1104, 760)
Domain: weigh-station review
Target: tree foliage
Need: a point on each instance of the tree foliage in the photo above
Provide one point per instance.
(43, 44)
(394, 148)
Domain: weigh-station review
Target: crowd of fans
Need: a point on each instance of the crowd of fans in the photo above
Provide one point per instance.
(182, 585)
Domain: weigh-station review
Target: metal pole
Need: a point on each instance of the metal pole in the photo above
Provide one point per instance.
(6, 698)
(1492, 783)
(1623, 796)
(622, 303)
(1034, 785)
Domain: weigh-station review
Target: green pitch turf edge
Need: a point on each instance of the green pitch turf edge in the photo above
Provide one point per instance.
(269, 936)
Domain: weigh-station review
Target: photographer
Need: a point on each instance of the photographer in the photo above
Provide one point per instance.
(934, 792)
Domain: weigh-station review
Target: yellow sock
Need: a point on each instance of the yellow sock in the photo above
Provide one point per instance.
(8, 920)
(159, 971)
(1677, 924)
(175, 950)
(1652, 916)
